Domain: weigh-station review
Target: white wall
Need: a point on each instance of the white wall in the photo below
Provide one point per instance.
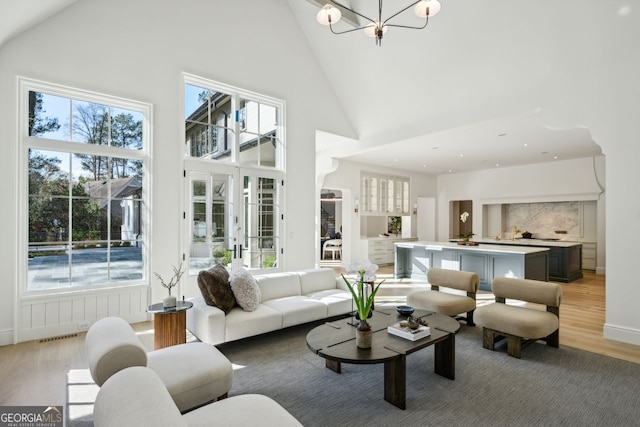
(138, 50)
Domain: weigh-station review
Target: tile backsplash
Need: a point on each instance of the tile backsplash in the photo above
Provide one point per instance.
(543, 219)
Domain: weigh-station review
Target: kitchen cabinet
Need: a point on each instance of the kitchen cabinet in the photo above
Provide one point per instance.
(384, 195)
(381, 251)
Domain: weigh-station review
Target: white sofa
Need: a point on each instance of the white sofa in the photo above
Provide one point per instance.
(288, 299)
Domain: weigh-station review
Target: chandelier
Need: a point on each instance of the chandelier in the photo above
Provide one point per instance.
(377, 27)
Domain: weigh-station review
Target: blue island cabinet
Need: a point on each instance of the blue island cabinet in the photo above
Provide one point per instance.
(413, 260)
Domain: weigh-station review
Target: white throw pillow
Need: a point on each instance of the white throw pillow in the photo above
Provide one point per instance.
(245, 289)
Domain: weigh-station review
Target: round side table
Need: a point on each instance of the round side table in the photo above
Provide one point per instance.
(169, 324)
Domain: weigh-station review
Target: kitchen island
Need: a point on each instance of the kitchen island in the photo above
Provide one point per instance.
(413, 260)
(565, 258)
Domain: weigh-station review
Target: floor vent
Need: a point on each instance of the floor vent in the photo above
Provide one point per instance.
(61, 337)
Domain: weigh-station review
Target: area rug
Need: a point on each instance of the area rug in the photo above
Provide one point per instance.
(548, 386)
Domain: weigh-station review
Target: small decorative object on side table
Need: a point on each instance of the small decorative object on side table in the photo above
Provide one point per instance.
(170, 301)
(366, 273)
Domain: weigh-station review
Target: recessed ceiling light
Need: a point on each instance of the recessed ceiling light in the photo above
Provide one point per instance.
(450, 170)
(461, 155)
(395, 160)
(526, 145)
(424, 166)
(555, 157)
(497, 164)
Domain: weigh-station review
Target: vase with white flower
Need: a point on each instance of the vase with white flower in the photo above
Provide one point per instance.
(365, 274)
(465, 235)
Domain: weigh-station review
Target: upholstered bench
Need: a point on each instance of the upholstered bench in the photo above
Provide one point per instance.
(193, 373)
(136, 396)
(521, 325)
(448, 303)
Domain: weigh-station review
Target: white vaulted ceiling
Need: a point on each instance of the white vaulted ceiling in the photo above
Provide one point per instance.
(467, 84)
(462, 94)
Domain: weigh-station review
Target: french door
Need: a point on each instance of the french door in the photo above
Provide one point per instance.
(233, 217)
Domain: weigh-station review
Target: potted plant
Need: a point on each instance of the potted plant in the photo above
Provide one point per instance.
(466, 235)
(365, 274)
(170, 301)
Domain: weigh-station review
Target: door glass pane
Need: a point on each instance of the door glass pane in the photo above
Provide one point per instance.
(260, 223)
(211, 211)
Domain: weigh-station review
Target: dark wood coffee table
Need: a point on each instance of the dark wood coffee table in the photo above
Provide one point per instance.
(335, 342)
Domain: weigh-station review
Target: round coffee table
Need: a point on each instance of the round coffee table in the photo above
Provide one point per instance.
(335, 342)
(169, 324)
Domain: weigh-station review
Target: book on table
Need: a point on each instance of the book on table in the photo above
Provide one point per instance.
(408, 333)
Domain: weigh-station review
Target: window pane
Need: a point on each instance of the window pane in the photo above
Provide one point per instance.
(208, 123)
(126, 129)
(258, 134)
(90, 123)
(49, 116)
(48, 173)
(48, 267)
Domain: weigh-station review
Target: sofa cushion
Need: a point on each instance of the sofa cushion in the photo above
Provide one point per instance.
(318, 279)
(441, 302)
(278, 285)
(245, 289)
(243, 410)
(338, 301)
(520, 321)
(215, 288)
(194, 373)
(297, 309)
(241, 324)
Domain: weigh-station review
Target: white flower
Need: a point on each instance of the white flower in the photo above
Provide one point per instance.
(464, 216)
(366, 270)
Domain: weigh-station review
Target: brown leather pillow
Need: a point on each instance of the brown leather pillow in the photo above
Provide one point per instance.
(214, 285)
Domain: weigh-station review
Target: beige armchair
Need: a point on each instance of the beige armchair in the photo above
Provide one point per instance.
(450, 304)
(521, 325)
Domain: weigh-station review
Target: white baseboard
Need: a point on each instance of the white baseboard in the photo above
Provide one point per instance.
(6, 337)
(71, 328)
(622, 334)
(600, 270)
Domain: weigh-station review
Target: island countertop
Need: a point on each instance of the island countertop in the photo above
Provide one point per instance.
(495, 248)
(530, 242)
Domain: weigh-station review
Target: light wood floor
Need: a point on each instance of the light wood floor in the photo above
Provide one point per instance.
(35, 373)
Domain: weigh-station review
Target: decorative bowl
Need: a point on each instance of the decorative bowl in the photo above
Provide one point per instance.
(405, 310)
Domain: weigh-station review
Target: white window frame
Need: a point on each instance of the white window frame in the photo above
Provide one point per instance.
(26, 142)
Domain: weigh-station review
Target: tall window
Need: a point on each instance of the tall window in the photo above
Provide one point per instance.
(85, 187)
(234, 152)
